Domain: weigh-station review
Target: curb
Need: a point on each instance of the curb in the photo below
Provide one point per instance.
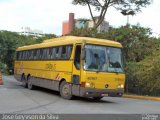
(141, 97)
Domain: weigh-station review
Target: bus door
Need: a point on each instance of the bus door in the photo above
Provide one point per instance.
(76, 74)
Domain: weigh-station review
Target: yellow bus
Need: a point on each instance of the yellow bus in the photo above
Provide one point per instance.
(74, 66)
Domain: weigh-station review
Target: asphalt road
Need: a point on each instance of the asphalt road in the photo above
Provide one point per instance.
(16, 99)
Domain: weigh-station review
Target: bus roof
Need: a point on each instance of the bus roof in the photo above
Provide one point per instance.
(66, 40)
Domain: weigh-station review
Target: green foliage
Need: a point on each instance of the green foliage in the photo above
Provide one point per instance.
(143, 77)
(9, 41)
(132, 84)
(84, 32)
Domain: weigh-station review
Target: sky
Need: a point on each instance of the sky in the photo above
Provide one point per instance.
(48, 15)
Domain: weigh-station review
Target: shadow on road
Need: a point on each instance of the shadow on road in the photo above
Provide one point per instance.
(91, 100)
(81, 99)
(48, 91)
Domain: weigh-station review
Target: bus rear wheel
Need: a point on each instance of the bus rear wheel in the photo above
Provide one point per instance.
(30, 85)
(24, 81)
(65, 91)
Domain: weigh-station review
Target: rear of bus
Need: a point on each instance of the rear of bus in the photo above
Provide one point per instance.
(102, 71)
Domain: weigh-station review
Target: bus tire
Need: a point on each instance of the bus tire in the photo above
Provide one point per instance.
(24, 81)
(97, 98)
(65, 91)
(30, 85)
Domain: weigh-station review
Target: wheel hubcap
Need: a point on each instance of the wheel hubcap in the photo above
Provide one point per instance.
(65, 90)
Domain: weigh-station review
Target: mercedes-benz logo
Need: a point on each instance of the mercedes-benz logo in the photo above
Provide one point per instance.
(106, 86)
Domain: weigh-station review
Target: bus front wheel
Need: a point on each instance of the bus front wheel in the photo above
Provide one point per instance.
(65, 90)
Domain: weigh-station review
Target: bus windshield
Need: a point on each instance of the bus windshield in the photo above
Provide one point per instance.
(103, 59)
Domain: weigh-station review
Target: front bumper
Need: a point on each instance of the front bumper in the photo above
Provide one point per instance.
(92, 92)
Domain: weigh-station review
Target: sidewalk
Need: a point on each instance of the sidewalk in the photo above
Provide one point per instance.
(141, 97)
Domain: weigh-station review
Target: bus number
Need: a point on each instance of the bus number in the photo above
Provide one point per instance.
(49, 66)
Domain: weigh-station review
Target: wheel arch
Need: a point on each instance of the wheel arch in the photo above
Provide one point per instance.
(63, 79)
(28, 76)
(23, 75)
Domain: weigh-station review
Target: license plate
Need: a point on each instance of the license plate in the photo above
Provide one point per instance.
(104, 95)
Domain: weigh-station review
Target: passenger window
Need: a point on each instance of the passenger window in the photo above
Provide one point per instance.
(41, 54)
(32, 54)
(46, 54)
(69, 50)
(77, 57)
(52, 52)
(57, 53)
(63, 53)
(29, 54)
(20, 55)
(26, 57)
(24, 54)
(38, 54)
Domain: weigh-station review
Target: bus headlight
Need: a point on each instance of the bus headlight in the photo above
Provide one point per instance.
(120, 86)
(89, 85)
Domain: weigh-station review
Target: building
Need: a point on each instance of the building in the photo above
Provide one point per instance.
(68, 26)
(28, 31)
(103, 27)
(81, 23)
(72, 23)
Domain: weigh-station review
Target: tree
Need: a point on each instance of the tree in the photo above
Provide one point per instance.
(9, 41)
(143, 77)
(84, 32)
(125, 6)
(136, 40)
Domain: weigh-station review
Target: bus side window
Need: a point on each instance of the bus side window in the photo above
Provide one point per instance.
(45, 54)
(28, 54)
(53, 50)
(63, 53)
(41, 54)
(48, 55)
(57, 53)
(24, 55)
(32, 54)
(30, 57)
(20, 55)
(38, 54)
(69, 50)
(77, 57)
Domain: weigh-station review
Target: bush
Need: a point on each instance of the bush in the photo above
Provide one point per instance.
(143, 77)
